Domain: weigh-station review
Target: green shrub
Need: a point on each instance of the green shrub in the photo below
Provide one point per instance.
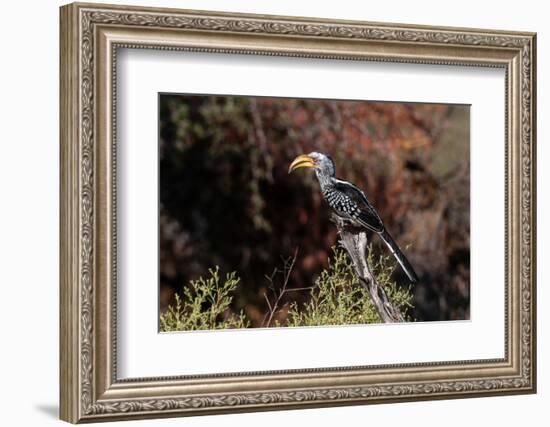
(337, 298)
(205, 304)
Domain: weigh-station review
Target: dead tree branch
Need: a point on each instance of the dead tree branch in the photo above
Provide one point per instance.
(354, 241)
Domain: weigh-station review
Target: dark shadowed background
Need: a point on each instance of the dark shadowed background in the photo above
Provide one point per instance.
(227, 200)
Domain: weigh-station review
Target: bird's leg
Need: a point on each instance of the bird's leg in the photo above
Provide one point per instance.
(343, 224)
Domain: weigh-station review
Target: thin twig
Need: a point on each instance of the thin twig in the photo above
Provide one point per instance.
(288, 266)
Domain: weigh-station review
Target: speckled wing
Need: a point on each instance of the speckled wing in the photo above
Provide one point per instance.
(368, 217)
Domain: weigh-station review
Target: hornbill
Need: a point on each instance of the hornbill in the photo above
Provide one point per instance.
(350, 204)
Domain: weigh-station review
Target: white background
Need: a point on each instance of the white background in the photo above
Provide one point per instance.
(141, 346)
(29, 170)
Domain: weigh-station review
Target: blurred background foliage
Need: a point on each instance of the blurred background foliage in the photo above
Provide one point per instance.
(227, 200)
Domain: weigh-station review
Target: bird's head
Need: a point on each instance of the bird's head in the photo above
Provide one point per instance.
(321, 163)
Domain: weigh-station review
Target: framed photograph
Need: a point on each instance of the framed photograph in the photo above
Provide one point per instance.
(266, 212)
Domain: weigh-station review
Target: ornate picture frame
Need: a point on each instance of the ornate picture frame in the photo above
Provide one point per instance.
(90, 37)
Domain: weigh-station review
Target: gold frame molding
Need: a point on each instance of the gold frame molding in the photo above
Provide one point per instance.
(90, 37)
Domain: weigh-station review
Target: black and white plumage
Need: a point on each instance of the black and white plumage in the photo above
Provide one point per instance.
(350, 203)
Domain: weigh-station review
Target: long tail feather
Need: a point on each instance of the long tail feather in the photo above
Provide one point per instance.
(399, 256)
